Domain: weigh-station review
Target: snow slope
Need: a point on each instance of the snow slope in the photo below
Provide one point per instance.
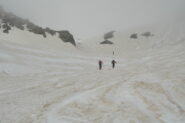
(40, 83)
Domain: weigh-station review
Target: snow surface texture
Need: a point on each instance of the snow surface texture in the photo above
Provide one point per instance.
(40, 83)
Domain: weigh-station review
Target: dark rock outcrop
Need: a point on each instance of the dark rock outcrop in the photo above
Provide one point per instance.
(147, 34)
(10, 20)
(66, 37)
(50, 31)
(6, 28)
(109, 35)
(106, 42)
(133, 36)
(36, 29)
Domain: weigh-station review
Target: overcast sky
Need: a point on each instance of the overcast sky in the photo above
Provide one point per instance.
(87, 18)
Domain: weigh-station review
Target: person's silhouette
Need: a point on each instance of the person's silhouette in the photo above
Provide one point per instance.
(100, 64)
(113, 63)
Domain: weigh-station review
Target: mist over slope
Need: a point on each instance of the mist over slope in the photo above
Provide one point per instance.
(156, 36)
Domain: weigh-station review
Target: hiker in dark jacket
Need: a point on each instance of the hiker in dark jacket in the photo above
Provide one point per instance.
(113, 63)
(100, 64)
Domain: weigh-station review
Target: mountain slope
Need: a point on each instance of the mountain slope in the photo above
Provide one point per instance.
(8, 21)
(52, 83)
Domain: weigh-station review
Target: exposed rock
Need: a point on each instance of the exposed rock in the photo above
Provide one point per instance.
(66, 37)
(50, 31)
(147, 34)
(10, 20)
(109, 35)
(134, 36)
(36, 29)
(6, 28)
(106, 42)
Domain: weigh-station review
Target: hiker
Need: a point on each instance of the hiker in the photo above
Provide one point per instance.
(113, 63)
(100, 64)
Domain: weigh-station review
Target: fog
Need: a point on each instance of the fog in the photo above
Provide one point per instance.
(88, 18)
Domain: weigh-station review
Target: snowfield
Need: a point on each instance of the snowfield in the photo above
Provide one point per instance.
(44, 84)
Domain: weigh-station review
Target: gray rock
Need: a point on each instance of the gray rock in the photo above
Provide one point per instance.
(106, 42)
(11, 20)
(109, 35)
(66, 37)
(6, 28)
(50, 31)
(147, 34)
(133, 36)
